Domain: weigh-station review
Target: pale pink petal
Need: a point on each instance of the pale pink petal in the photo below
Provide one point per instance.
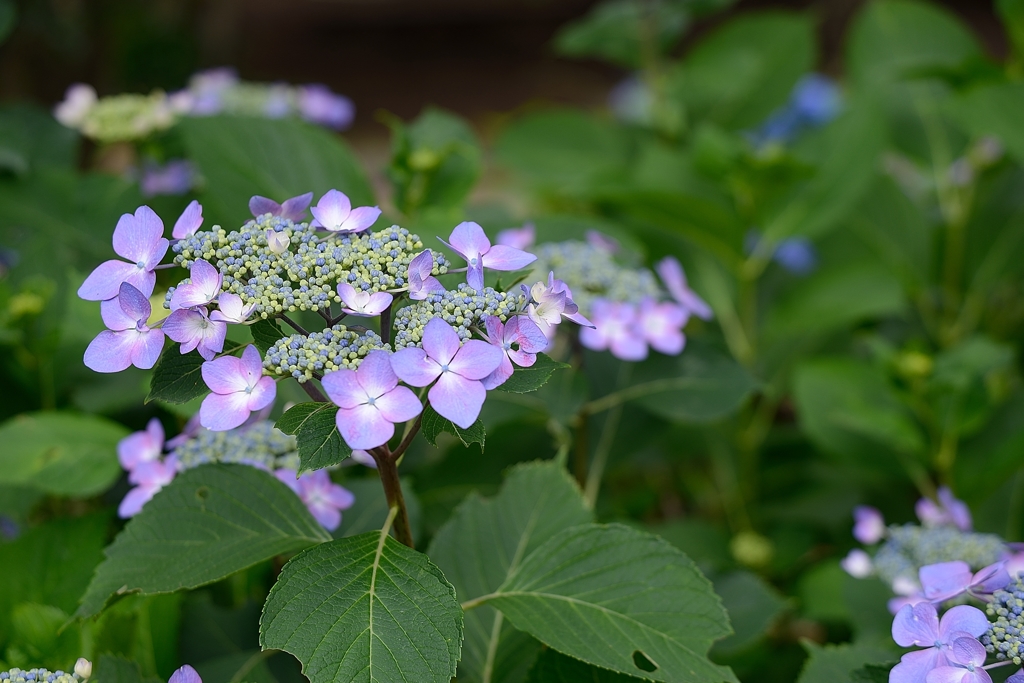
(189, 221)
(221, 412)
(414, 367)
(348, 294)
(135, 237)
(146, 347)
(252, 364)
(364, 427)
(458, 399)
(332, 210)
(205, 276)
(212, 341)
(339, 496)
(224, 375)
(104, 282)
(378, 302)
(440, 341)
(630, 347)
(469, 240)
(185, 326)
(361, 219)
(476, 359)
(525, 332)
(263, 394)
(520, 238)
(343, 388)
(495, 329)
(375, 374)
(110, 351)
(133, 501)
(500, 257)
(398, 405)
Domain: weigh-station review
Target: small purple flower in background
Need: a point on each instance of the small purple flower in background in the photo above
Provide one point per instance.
(318, 104)
(661, 325)
(192, 428)
(868, 524)
(9, 529)
(324, 498)
(518, 238)
(194, 330)
(139, 239)
(363, 458)
(947, 512)
(671, 273)
(616, 329)
(946, 580)
(279, 102)
(148, 477)
(631, 100)
(334, 212)
(795, 254)
(78, 101)
(208, 88)
(458, 394)
(857, 564)
(599, 240)
(919, 625)
(238, 387)
(519, 339)
(369, 401)
(815, 101)
(140, 447)
(175, 177)
(421, 283)
(128, 341)
(550, 302)
(360, 303)
(231, 309)
(189, 221)
(293, 209)
(966, 657)
(204, 287)
(469, 241)
(185, 674)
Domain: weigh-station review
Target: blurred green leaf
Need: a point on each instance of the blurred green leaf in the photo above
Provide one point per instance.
(433, 424)
(37, 638)
(753, 606)
(554, 667)
(1012, 14)
(992, 110)
(112, 669)
(30, 137)
(8, 18)
(625, 32)
(835, 663)
(897, 231)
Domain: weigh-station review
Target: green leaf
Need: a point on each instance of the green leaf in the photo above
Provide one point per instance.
(619, 31)
(619, 599)
(433, 424)
(210, 522)
(525, 380)
(991, 110)
(362, 609)
(872, 673)
(554, 667)
(484, 542)
(112, 669)
(280, 158)
(60, 453)
(178, 377)
(266, 333)
(753, 606)
(29, 136)
(298, 415)
(316, 427)
(836, 663)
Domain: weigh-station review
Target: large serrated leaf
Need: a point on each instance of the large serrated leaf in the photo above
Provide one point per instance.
(365, 608)
(484, 542)
(554, 667)
(620, 599)
(178, 377)
(208, 523)
(433, 424)
(525, 380)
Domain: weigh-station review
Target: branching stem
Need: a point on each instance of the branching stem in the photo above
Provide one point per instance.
(297, 327)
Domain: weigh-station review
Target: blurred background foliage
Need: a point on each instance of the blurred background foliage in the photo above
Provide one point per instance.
(857, 238)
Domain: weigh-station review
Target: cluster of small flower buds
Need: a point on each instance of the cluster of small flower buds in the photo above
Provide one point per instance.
(38, 676)
(1005, 637)
(258, 444)
(462, 308)
(306, 356)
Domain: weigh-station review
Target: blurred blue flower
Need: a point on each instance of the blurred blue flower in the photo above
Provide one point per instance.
(796, 254)
(815, 101)
(631, 100)
(173, 178)
(9, 529)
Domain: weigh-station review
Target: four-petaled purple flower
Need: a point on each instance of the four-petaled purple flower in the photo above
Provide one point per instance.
(231, 309)
(551, 302)
(671, 272)
(139, 239)
(661, 325)
(148, 477)
(518, 238)
(189, 221)
(195, 330)
(360, 303)
(868, 524)
(129, 340)
(185, 674)
(919, 625)
(238, 387)
(324, 498)
(469, 241)
(334, 212)
(421, 283)
(369, 401)
(519, 340)
(140, 447)
(616, 329)
(947, 512)
(293, 209)
(945, 580)
(966, 657)
(458, 394)
(203, 288)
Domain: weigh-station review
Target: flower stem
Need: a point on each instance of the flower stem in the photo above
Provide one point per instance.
(297, 327)
(387, 468)
(313, 392)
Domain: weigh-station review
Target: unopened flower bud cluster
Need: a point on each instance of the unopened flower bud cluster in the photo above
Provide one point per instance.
(259, 444)
(37, 676)
(1005, 638)
(302, 356)
(461, 308)
(910, 547)
(592, 272)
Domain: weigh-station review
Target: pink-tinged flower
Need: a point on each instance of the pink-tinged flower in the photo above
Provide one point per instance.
(185, 674)
(551, 302)
(946, 580)
(868, 524)
(139, 239)
(469, 241)
(148, 477)
(616, 329)
(277, 242)
(363, 304)
(334, 212)
(919, 625)
(324, 498)
(519, 339)
(231, 309)
(369, 401)
(857, 564)
(293, 209)
(421, 283)
(78, 101)
(204, 287)
(318, 104)
(238, 387)
(192, 427)
(661, 324)
(947, 512)
(966, 658)
(458, 394)
(671, 272)
(140, 447)
(518, 238)
(128, 341)
(194, 330)
(189, 221)
(601, 241)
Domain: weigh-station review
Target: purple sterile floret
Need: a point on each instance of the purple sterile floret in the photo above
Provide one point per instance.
(195, 330)
(140, 447)
(919, 625)
(1017, 677)
(661, 325)
(138, 239)
(948, 511)
(617, 329)
(318, 104)
(421, 283)
(945, 580)
(323, 497)
(334, 212)
(868, 524)
(360, 303)
(458, 394)
(519, 339)
(129, 341)
(370, 402)
(293, 209)
(551, 302)
(238, 387)
(671, 272)
(966, 657)
(185, 674)
(204, 287)
(189, 221)
(176, 177)
(469, 241)
(148, 478)
(518, 238)
(230, 309)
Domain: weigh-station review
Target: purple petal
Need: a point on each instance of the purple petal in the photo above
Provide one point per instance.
(134, 303)
(252, 364)
(599, 240)
(495, 330)
(133, 501)
(399, 405)
(289, 478)
(500, 374)
(364, 427)
(114, 316)
(231, 309)
(670, 343)
(476, 359)
(146, 347)
(419, 290)
(525, 332)
(422, 265)
(206, 277)
(332, 210)
(457, 399)
(944, 580)
(110, 351)
(360, 219)
(104, 282)
(375, 374)
(962, 618)
(629, 347)
(379, 301)
(501, 257)
(1017, 677)
(137, 238)
(224, 375)
(914, 666)
(185, 674)
(469, 240)
(221, 412)
(519, 238)
(968, 651)
(189, 221)
(343, 388)
(413, 367)
(950, 674)
(294, 209)
(695, 305)
(339, 496)
(142, 446)
(475, 276)
(991, 578)
(916, 625)
(263, 394)
(260, 205)
(869, 525)
(440, 342)
(959, 513)
(348, 294)
(327, 515)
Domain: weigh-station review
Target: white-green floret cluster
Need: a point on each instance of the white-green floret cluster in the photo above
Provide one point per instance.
(1005, 637)
(461, 308)
(305, 356)
(38, 676)
(910, 547)
(592, 272)
(259, 444)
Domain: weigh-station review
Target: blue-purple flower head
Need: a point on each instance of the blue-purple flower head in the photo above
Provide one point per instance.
(814, 101)
(795, 254)
(318, 104)
(175, 177)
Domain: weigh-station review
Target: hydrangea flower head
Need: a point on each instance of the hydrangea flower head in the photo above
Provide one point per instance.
(204, 287)
(616, 329)
(189, 221)
(550, 302)
(868, 524)
(148, 478)
(360, 303)
(139, 239)
(293, 209)
(129, 340)
(140, 447)
(919, 625)
(318, 104)
(334, 212)
(79, 99)
(324, 498)
(519, 339)
(196, 330)
(239, 388)
(661, 324)
(671, 272)
(469, 241)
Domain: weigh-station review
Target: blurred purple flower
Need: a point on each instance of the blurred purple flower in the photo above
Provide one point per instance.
(189, 221)
(795, 254)
(194, 330)
(148, 477)
(324, 498)
(661, 325)
(868, 524)
(919, 625)
(293, 209)
(192, 427)
(334, 212)
(364, 304)
(238, 387)
(671, 273)
(814, 101)
(175, 177)
(857, 564)
(518, 238)
(616, 329)
(421, 283)
(128, 341)
(947, 512)
(279, 101)
(140, 447)
(139, 239)
(469, 241)
(207, 89)
(599, 240)
(204, 287)
(519, 339)
(318, 104)
(9, 529)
